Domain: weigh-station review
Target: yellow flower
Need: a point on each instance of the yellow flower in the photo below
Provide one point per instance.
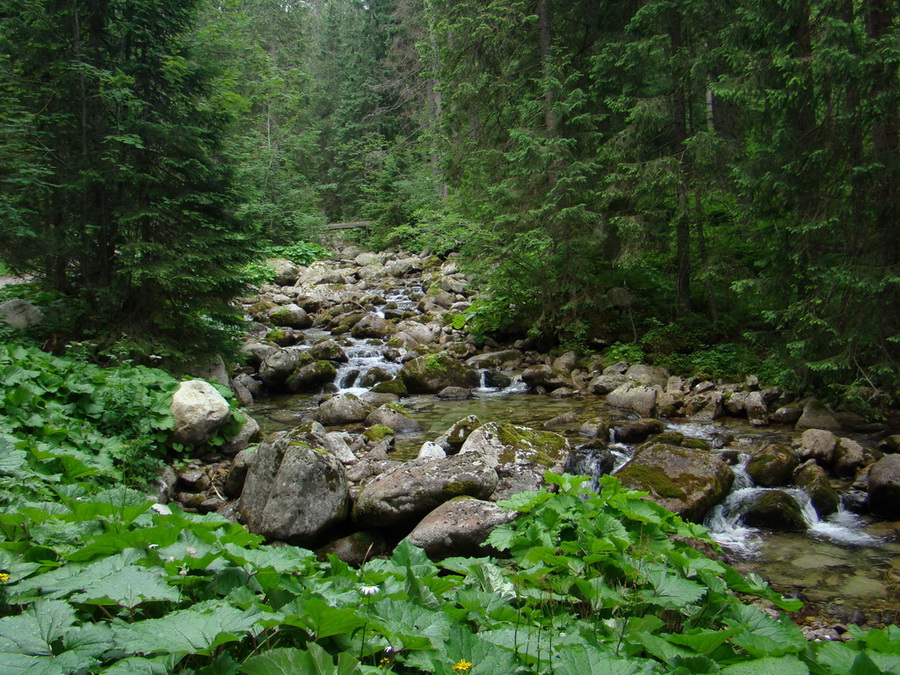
(462, 666)
(4, 577)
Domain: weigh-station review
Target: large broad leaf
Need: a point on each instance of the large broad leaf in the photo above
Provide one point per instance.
(417, 627)
(138, 665)
(787, 665)
(585, 660)
(281, 559)
(764, 636)
(312, 661)
(129, 587)
(670, 591)
(703, 642)
(197, 630)
(321, 619)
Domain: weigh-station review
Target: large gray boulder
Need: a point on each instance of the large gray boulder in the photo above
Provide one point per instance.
(649, 375)
(850, 457)
(290, 315)
(545, 376)
(429, 374)
(403, 495)
(816, 415)
(277, 366)
(311, 377)
(521, 455)
(635, 397)
(811, 478)
(20, 314)
(292, 492)
(199, 411)
(372, 326)
(884, 487)
(684, 480)
(459, 527)
(286, 272)
(505, 358)
(817, 444)
(393, 419)
(341, 409)
(604, 384)
(704, 407)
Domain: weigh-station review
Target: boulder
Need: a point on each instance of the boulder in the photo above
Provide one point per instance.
(649, 375)
(850, 457)
(254, 353)
(286, 272)
(199, 411)
(817, 444)
(373, 376)
(429, 374)
(249, 433)
(604, 384)
(311, 377)
(811, 478)
(212, 369)
(357, 548)
(684, 480)
(595, 428)
(757, 409)
(635, 397)
(590, 459)
(816, 415)
(520, 455)
(292, 492)
(705, 406)
(278, 365)
(772, 466)
(545, 376)
(787, 414)
(773, 510)
(366, 258)
(884, 487)
(20, 314)
(393, 419)
(431, 450)
(291, 315)
(415, 332)
(454, 394)
(506, 358)
(565, 363)
(736, 404)
(459, 527)
(372, 326)
(452, 439)
(328, 350)
(436, 302)
(237, 473)
(405, 494)
(635, 431)
(341, 409)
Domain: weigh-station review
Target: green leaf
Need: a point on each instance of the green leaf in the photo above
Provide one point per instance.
(196, 630)
(315, 615)
(585, 660)
(787, 665)
(313, 660)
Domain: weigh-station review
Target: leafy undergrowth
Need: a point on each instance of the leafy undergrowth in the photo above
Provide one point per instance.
(105, 582)
(95, 578)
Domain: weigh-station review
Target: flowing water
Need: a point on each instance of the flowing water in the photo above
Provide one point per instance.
(846, 562)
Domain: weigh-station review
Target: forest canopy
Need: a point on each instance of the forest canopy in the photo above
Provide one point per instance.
(683, 176)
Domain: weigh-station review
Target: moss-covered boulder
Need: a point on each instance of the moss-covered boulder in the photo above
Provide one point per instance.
(292, 492)
(291, 315)
(811, 478)
(431, 373)
(635, 431)
(545, 376)
(396, 386)
(773, 510)
(357, 548)
(684, 480)
(373, 376)
(311, 377)
(521, 455)
(372, 326)
(278, 365)
(773, 465)
(403, 495)
(328, 350)
(452, 440)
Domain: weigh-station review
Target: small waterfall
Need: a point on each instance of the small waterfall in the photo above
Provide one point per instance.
(362, 357)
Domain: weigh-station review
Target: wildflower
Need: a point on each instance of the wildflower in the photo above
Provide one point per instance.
(4, 577)
(170, 558)
(152, 546)
(368, 590)
(182, 572)
(191, 551)
(462, 666)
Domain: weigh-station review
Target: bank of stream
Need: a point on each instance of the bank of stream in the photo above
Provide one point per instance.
(846, 567)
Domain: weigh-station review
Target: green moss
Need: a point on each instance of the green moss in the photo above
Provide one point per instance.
(653, 480)
(436, 364)
(696, 443)
(462, 487)
(669, 437)
(276, 336)
(377, 432)
(395, 386)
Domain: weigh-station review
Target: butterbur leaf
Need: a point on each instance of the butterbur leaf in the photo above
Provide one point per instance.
(196, 630)
(585, 660)
(763, 635)
(138, 665)
(670, 591)
(703, 642)
(312, 661)
(787, 665)
(129, 587)
(320, 619)
(282, 559)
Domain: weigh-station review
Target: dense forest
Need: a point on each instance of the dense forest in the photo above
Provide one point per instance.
(677, 177)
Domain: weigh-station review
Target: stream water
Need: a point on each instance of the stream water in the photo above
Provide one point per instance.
(848, 565)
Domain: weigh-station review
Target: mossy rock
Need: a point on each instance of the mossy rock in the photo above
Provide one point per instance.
(774, 510)
(669, 437)
(812, 479)
(697, 443)
(395, 386)
(684, 480)
(311, 377)
(431, 373)
(377, 432)
(773, 465)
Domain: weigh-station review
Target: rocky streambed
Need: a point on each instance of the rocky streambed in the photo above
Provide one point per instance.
(376, 419)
